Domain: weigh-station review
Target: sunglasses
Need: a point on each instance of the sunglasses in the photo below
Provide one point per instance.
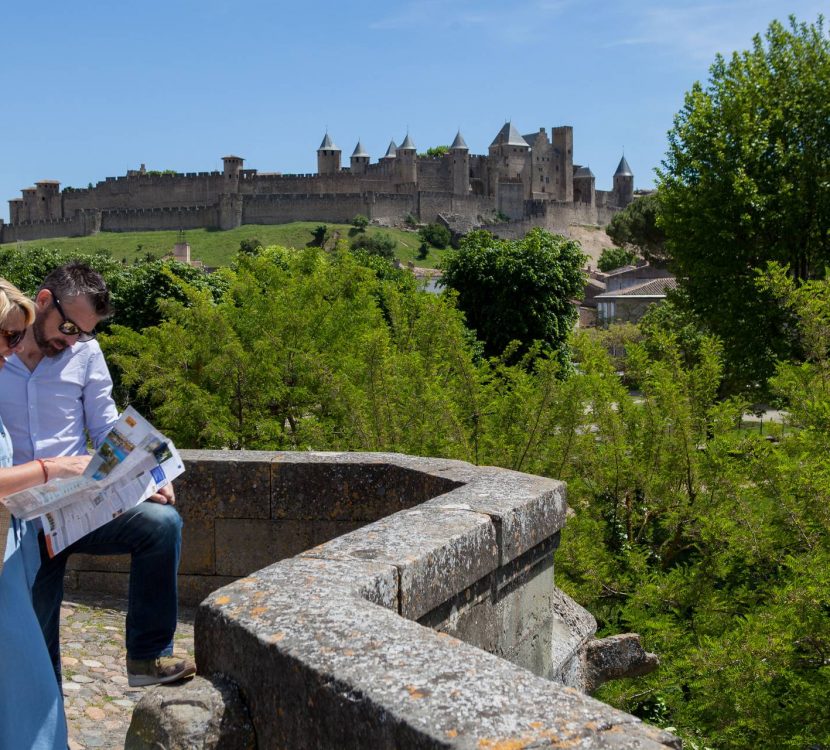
(13, 338)
(69, 327)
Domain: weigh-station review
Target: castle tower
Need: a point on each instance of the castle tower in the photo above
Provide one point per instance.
(563, 148)
(510, 157)
(16, 210)
(232, 166)
(460, 155)
(47, 201)
(623, 184)
(584, 186)
(406, 169)
(390, 152)
(328, 157)
(359, 159)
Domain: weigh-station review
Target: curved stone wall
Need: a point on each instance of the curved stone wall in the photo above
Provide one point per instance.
(435, 625)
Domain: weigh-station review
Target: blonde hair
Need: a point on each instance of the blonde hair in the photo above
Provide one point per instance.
(12, 298)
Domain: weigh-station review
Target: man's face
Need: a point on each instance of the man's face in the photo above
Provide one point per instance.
(49, 339)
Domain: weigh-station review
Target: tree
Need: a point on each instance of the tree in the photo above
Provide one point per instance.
(320, 234)
(436, 151)
(615, 257)
(250, 246)
(637, 227)
(745, 182)
(360, 222)
(517, 290)
(377, 244)
(436, 235)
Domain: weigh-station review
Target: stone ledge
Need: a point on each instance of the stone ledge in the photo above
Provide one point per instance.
(321, 666)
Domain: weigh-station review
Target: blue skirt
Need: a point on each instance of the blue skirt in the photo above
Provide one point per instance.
(31, 705)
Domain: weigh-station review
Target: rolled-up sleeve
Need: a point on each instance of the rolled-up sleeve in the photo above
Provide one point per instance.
(100, 413)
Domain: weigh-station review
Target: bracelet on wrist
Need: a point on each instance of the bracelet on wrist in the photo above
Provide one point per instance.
(43, 469)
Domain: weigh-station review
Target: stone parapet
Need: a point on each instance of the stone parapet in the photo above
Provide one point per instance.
(376, 638)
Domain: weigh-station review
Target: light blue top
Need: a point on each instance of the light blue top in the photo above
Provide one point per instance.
(47, 410)
(31, 705)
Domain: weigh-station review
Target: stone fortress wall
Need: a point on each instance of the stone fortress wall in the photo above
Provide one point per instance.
(523, 181)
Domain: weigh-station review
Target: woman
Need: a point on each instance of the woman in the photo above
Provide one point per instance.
(31, 705)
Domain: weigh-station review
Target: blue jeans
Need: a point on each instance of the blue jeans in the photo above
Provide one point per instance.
(152, 535)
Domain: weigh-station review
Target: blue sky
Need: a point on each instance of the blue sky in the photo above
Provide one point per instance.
(93, 89)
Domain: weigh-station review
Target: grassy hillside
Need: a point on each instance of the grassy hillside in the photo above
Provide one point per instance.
(216, 248)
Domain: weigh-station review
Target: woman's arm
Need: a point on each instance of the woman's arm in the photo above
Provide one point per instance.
(40, 471)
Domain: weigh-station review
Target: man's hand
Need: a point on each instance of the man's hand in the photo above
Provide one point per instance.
(165, 496)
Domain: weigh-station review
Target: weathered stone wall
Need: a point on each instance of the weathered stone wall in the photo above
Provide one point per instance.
(329, 648)
(81, 223)
(146, 220)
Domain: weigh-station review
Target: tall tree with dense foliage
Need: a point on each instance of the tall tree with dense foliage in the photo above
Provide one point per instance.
(745, 181)
(636, 227)
(517, 290)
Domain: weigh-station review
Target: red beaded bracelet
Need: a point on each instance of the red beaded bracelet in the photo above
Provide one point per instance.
(45, 470)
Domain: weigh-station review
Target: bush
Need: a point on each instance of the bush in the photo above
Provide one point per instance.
(423, 251)
(615, 257)
(436, 235)
(376, 244)
(360, 222)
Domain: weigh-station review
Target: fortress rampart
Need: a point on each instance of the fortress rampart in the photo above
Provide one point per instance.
(518, 174)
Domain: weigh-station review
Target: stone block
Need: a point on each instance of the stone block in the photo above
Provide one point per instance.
(352, 491)
(438, 552)
(224, 484)
(198, 547)
(528, 509)
(197, 715)
(193, 589)
(243, 546)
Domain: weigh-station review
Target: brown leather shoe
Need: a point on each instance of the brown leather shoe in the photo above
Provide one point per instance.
(158, 671)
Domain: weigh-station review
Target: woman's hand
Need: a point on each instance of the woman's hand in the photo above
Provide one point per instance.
(62, 467)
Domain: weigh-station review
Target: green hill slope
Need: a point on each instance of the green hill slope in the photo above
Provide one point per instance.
(217, 248)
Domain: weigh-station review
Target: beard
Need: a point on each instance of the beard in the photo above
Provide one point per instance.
(48, 347)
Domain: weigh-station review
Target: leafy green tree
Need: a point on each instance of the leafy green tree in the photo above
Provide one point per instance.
(376, 244)
(319, 236)
(360, 222)
(436, 151)
(250, 246)
(615, 257)
(517, 290)
(317, 351)
(436, 235)
(636, 227)
(745, 182)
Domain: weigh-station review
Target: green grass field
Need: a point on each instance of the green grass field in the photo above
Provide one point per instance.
(217, 248)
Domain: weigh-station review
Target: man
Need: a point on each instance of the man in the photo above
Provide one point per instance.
(54, 395)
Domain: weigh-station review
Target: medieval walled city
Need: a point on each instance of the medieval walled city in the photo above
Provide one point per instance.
(523, 181)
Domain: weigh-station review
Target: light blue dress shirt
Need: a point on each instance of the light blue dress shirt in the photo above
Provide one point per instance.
(50, 410)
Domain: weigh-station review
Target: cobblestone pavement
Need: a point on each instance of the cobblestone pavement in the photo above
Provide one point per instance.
(98, 701)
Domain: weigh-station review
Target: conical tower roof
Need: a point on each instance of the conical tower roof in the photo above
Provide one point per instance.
(623, 170)
(407, 143)
(509, 136)
(390, 152)
(359, 150)
(459, 143)
(327, 144)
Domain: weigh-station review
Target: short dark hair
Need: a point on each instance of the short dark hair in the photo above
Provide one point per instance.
(77, 279)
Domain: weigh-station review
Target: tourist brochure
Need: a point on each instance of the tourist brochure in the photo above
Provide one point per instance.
(133, 462)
